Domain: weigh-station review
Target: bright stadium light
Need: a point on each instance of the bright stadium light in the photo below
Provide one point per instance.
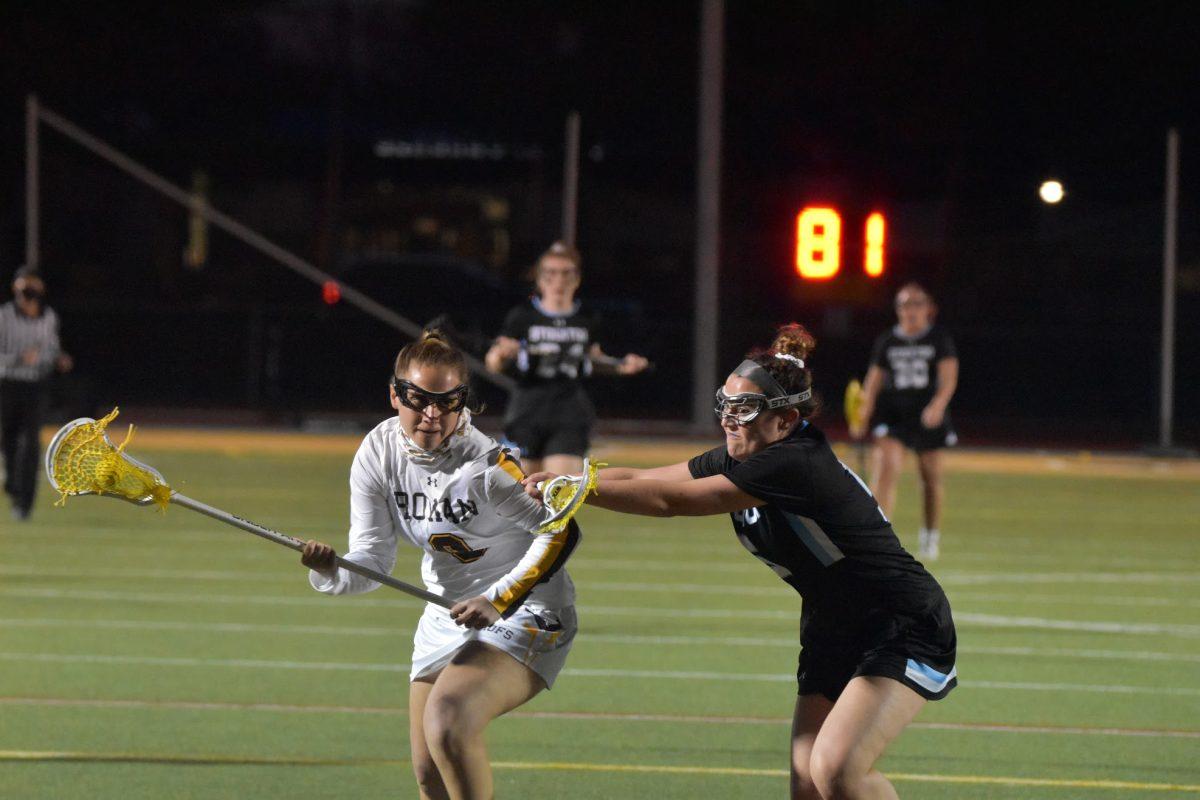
(1051, 192)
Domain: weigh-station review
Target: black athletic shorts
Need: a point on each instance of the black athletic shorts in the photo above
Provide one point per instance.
(903, 421)
(918, 652)
(539, 441)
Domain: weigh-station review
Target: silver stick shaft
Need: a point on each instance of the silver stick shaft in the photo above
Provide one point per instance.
(293, 543)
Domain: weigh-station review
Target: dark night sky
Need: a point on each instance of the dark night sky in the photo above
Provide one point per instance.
(946, 115)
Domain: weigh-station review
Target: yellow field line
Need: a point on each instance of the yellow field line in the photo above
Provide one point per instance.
(563, 766)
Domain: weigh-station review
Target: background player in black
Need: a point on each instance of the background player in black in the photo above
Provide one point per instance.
(552, 345)
(912, 376)
(877, 639)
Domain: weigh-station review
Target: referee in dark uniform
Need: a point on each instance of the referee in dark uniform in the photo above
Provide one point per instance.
(29, 354)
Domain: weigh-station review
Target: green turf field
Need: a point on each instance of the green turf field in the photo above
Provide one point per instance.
(167, 656)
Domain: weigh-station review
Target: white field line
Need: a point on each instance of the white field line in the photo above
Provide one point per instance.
(598, 551)
(290, 576)
(591, 716)
(964, 619)
(582, 564)
(741, 677)
(783, 642)
(1089, 626)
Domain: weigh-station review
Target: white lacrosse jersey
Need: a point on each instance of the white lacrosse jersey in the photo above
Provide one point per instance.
(469, 514)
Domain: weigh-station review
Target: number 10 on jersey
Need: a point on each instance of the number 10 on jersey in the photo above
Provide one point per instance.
(819, 243)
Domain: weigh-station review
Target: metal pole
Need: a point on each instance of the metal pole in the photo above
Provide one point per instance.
(570, 210)
(708, 208)
(252, 238)
(1167, 387)
(32, 256)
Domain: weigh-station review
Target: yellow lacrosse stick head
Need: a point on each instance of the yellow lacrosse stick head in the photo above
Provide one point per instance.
(81, 459)
(563, 496)
(852, 402)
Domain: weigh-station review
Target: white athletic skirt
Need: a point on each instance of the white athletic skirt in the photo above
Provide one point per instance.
(539, 638)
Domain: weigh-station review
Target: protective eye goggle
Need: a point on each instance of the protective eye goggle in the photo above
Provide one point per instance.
(744, 407)
(418, 399)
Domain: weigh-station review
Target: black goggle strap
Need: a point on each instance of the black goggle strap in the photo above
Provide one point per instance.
(456, 395)
(775, 395)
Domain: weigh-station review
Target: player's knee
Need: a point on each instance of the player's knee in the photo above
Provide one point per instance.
(835, 778)
(449, 726)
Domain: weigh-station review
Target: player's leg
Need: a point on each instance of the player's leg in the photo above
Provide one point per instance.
(429, 779)
(564, 464)
(870, 713)
(565, 448)
(886, 459)
(532, 442)
(480, 684)
(20, 421)
(811, 710)
(9, 425)
(929, 464)
(29, 448)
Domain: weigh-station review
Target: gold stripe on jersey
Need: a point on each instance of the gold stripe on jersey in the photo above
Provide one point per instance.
(510, 466)
(560, 548)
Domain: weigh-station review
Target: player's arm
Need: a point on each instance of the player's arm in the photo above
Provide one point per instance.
(947, 373)
(715, 494)
(872, 386)
(501, 491)
(372, 538)
(671, 472)
(502, 353)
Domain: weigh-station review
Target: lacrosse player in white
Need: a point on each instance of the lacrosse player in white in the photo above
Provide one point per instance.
(427, 477)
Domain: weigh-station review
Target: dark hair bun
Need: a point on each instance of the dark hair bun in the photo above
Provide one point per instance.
(794, 339)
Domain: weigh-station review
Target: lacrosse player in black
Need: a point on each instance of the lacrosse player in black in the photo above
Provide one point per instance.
(876, 634)
(552, 345)
(913, 375)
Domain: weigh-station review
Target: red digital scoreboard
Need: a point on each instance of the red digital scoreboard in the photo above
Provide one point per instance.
(819, 243)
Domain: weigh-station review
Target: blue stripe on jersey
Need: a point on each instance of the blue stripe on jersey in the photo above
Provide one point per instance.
(927, 677)
(814, 538)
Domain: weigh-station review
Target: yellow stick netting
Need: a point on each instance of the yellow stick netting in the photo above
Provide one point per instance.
(85, 461)
(564, 493)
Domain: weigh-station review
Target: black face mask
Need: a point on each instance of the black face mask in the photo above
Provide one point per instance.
(32, 294)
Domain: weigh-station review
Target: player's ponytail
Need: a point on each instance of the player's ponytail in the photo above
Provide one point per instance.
(794, 340)
(787, 362)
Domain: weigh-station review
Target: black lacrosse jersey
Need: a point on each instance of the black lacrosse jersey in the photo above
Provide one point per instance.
(822, 532)
(911, 364)
(552, 361)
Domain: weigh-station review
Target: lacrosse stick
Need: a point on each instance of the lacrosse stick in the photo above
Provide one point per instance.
(82, 460)
(852, 405)
(614, 362)
(563, 496)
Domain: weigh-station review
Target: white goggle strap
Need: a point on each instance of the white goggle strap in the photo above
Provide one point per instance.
(789, 400)
(776, 396)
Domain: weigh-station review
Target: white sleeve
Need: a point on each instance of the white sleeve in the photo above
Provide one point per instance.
(547, 552)
(49, 352)
(8, 353)
(372, 537)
